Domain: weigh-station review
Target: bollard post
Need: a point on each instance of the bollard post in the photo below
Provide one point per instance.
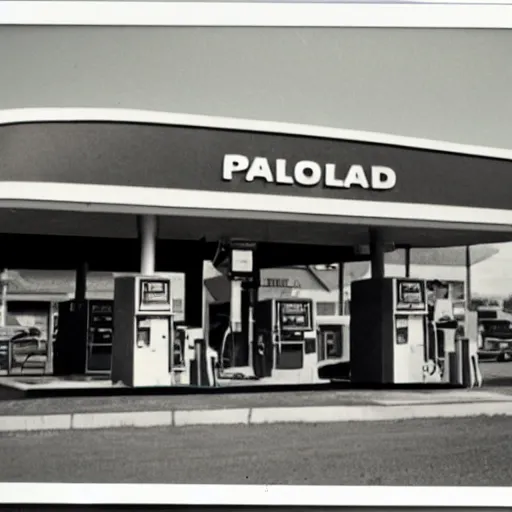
(199, 370)
(458, 361)
(452, 367)
(456, 364)
(476, 369)
(446, 368)
(476, 375)
(466, 363)
(213, 366)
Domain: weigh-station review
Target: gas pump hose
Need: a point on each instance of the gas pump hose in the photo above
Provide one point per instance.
(228, 331)
(221, 374)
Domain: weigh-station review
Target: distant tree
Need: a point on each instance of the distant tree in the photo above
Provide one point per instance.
(507, 303)
(477, 302)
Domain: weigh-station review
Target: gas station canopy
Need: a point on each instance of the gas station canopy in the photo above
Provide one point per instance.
(74, 180)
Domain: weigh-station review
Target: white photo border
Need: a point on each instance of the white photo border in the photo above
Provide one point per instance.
(433, 14)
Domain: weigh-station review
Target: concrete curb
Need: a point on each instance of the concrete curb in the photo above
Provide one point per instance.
(212, 417)
(120, 419)
(250, 416)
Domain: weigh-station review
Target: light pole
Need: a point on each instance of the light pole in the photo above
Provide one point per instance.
(468, 276)
(4, 281)
(341, 287)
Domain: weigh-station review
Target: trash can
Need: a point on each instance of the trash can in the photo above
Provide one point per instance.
(202, 367)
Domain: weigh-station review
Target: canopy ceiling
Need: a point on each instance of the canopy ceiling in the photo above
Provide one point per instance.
(82, 175)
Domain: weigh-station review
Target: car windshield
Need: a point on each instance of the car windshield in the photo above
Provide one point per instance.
(497, 326)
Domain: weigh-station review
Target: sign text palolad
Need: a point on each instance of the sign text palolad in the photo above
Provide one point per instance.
(308, 173)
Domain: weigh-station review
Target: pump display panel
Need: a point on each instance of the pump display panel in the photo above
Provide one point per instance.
(410, 295)
(154, 295)
(101, 314)
(295, 315)
(101, 321)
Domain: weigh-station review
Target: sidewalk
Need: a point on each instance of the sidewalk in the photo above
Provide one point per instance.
(247, 408)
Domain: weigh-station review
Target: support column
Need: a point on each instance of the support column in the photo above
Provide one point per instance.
(468, 276)
(81, 281)
(147, 235)
(341, 288)
(377, 253)
(252, 297)
(407, 262)
(4, 283)
(195, 309)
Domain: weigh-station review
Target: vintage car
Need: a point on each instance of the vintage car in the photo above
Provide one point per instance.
(25, 347)
(495, 339)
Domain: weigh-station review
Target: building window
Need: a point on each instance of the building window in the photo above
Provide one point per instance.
(325, 308)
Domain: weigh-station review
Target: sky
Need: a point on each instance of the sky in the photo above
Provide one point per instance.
(494, 276)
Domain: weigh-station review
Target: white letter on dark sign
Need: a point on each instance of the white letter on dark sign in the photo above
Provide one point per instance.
(383, 178)
(260, 168)
(233, 163)
(356, 176)
(308, 173)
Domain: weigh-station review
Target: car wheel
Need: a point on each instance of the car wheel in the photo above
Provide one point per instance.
(501, 358)
(507, 357)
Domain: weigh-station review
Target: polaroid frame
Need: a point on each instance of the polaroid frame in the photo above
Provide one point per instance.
(432, 14)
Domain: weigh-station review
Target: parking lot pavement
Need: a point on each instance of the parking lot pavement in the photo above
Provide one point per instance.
(497, 375)
(497, 379)
(475, 451)
(60, 405)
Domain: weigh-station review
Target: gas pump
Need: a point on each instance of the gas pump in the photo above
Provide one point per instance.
(83, 342)
(389, 342)
(446, 329)
(286, 341)
(188, 358)
(333, 346)
(271, 338)
(235, 259)
(143, 351)
(454, 331)
(444, 323)
(183, 353)
(333, 334)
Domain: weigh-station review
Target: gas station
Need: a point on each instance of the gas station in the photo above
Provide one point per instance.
(144, 143)
(140, 140)
(144, 192)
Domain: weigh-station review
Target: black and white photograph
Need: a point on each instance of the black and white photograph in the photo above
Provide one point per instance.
(256, 253)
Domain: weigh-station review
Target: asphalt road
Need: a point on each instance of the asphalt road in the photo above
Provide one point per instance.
(475, 451)
(496, 374)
